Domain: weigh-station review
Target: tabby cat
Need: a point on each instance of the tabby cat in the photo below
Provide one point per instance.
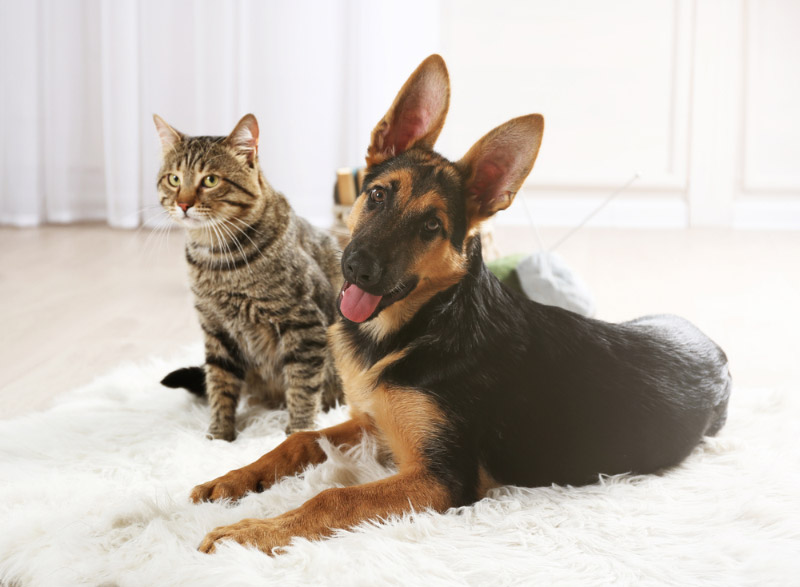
(264, 280)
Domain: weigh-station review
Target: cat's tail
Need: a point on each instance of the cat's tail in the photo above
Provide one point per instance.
(192, 379)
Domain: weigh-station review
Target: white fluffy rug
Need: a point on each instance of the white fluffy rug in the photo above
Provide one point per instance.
(95, 491)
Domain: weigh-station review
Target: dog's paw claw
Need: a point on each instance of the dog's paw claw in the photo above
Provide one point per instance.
(233, 486)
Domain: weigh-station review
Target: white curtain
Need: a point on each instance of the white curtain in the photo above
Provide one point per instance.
(82, 78)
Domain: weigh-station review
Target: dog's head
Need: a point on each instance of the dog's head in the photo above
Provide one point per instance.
(417, 212)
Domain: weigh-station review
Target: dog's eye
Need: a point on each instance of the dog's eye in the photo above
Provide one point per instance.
(377, 195)
(432, 224)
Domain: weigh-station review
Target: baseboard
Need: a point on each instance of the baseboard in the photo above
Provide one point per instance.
(20, 220)
(767, 214)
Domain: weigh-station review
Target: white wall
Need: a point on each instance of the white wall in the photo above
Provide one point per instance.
(700, 97)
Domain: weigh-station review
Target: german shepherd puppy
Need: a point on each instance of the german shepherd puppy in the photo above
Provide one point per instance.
(466, 383)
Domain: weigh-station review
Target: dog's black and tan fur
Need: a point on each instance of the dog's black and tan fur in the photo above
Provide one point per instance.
(466, 383)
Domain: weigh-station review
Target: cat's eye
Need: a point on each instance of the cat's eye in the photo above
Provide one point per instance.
(377, 195)
(174, 180)
(433, 224)
(210, 181)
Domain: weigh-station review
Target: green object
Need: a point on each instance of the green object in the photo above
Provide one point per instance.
(505, 269)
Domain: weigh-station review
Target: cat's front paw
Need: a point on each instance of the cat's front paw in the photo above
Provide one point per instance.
(228, 434)
(299, 426)
(232, 485)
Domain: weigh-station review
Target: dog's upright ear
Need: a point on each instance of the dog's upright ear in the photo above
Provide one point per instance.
(496, 165)
(169, 136)
(417, 114)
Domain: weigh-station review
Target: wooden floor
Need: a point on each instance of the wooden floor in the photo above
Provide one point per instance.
(76, 301)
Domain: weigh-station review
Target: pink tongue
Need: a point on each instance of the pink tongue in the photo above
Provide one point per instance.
(357, 305)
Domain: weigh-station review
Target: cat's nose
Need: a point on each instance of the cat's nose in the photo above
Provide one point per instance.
(184, 206)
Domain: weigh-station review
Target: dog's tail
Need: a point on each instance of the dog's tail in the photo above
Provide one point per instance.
(192, 379)
(720, 413)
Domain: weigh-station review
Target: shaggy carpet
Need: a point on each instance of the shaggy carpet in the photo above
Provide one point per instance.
(95, 491)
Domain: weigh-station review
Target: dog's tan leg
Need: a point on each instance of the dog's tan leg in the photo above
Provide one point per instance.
(289, 458)
(338, 508)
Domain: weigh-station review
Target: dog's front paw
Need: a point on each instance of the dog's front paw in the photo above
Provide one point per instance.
(232, 485)
(263, 534)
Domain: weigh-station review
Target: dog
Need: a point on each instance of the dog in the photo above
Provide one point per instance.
(469, 385)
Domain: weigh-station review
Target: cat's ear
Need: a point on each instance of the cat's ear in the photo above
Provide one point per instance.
(496, 165)
(168, 135)
(417, 114)
(244, 138)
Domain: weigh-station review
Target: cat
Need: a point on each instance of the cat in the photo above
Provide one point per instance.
(264, 280)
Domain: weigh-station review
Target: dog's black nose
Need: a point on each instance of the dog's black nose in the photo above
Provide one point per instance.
(362, 268)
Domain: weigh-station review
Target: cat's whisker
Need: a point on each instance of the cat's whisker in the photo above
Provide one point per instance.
(247, 226)
(149, 239)
(217, 222)
(227, 245)
(223, 246)
(149, 207)
(163, 235)
(221, 224)
(156, 233)
(163, 219)
(133, 215)
(260, 252)
(227, 221)
(152, 248)
(207, 233)
(212, 237)
(155, 211)
(160, 213)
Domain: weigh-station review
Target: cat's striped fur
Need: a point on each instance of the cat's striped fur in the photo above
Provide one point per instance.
(264, 280)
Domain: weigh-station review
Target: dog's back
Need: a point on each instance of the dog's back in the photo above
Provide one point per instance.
(548, 396)
(573, 397)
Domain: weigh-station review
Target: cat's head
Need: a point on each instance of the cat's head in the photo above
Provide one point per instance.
(208, 181)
